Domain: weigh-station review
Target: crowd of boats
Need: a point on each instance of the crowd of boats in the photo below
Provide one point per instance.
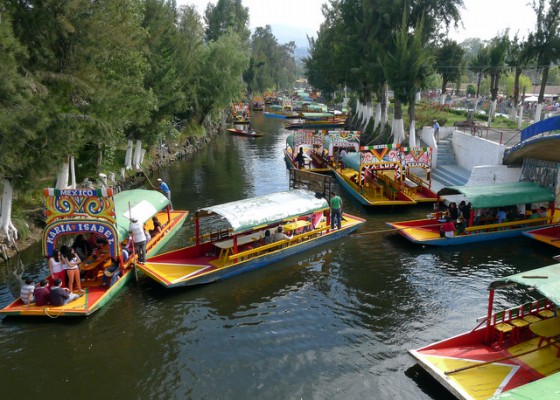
(513, 351)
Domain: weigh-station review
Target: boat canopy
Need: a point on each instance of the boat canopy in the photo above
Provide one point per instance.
(504, 194)
(545, 280)
(352, 160)
(258, 211)
(334, 140)
(139, 203)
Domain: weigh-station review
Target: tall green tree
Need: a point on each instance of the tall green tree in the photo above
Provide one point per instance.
(449, 63)
(497, 53)
(226, 16)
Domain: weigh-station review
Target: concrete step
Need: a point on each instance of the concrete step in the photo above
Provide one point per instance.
(451, 175)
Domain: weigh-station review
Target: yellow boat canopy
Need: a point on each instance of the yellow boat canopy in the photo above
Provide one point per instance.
(272, 208)
(546, 280)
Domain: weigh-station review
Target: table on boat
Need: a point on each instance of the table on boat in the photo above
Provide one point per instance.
(294, 226)
(226, 245)
(547, 329)
(94, 262)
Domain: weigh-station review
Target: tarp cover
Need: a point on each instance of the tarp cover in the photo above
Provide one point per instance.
(503, 194)
(246, 214)
(545, 280)
(139, 203)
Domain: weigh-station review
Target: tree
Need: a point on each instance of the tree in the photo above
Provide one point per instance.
(478, 65)
(449, 64)
(544, 43)
(226, 16)
(497, 52)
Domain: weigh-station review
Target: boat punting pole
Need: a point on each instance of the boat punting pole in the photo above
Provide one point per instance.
(489, 315)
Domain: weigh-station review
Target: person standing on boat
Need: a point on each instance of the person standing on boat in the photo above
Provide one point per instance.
(336, 211)
(56, 267)
(300, 160)
(164, 188)
(72, 262)
(139, 238)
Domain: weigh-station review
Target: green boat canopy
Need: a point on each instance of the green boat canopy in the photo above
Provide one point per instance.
(545, 280)
(352, 160)
(503, 194)
(272, 208)
(139, 203)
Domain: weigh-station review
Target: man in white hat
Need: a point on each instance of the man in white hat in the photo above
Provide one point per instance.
(139, 238)
(165, 190)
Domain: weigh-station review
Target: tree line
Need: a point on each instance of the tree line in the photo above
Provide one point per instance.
(82, 77)
(370, 46)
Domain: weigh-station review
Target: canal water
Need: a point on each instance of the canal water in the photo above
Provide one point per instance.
(334, 322)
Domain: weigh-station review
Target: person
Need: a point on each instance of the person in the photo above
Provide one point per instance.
(26, 294)
(268, 239)
(157, 226)
(300, 160)
(164, 188)
(81, 246)
(42, 293)
(542, 212)
(280, 235)
(148, 236)
(501, 215)
(336, 211)
(112, 272)
(436, 131)
(534, 214)
(124, 252)
(56, 267)
(72, 261)
(61, 296)
(95, 241)
(139, 238)
(453, 211)
(448, 227)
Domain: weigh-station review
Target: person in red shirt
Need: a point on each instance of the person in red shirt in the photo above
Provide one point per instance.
(42, 293)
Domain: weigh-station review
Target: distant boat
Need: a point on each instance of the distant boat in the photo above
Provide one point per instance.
(248, 133)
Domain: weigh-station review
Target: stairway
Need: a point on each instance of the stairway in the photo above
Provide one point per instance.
(448, 173)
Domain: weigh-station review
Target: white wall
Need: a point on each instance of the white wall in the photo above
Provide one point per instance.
(488, 174)
(472, 151)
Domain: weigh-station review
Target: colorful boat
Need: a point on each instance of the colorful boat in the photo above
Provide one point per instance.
(319, 123)
(310, 143)
(83, 211)
(241, 114)
(482, 225)
(334, 142)
(229, 238)
(242, 132)
(509, 350)
(549, 235)
(375, 176)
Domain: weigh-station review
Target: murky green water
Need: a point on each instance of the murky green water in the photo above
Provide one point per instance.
(332, 323)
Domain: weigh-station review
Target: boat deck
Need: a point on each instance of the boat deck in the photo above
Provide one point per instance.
(479, 372)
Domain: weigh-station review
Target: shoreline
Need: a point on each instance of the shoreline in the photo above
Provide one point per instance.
(185, 150)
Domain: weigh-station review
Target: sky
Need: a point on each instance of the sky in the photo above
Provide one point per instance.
(294, 19)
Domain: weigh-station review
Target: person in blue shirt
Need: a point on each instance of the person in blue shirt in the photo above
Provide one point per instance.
(501, 216)
(165, 190)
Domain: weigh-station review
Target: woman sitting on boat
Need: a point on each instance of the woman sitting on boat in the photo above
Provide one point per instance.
(448, 227)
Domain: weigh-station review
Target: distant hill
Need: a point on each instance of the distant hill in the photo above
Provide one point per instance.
(285, 34)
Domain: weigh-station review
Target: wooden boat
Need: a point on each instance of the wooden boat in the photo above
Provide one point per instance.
(241, 114)
(549, 235)
(325, 123)
(228, 237)
(485, 200)
(509, 350)
(241, 132)
(311, 143)
(374, 176)
(74, 211)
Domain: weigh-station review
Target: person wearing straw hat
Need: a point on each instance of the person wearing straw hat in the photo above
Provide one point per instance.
(164, 188)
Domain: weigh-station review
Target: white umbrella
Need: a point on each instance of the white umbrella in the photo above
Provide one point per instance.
(531, 99)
